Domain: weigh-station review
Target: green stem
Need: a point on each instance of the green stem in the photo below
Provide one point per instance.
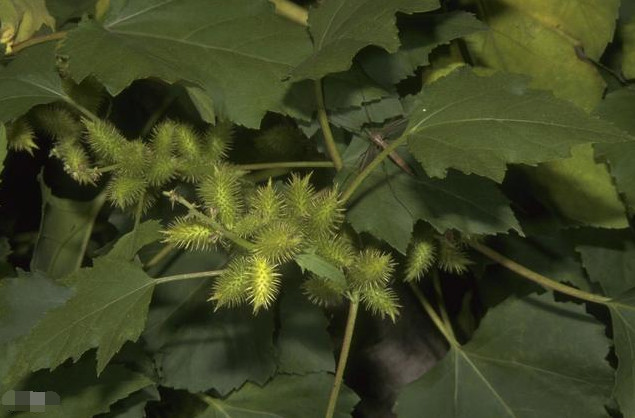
(538, 278)
(107, 169)
(289, 164)
(341, 364)
(81, 109)
(357, 181)
(436, 319)
(211, 221)
(188, 276)
(38, 40)
(164, 252)
(137, 221)
(329, 140)
(436, 282)
(172, 95)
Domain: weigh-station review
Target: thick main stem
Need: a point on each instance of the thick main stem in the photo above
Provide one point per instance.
(536, 277)
(322, 116)
(341, 364)
(436, 282)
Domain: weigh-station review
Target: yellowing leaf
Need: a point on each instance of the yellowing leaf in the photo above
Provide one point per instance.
(582, 190)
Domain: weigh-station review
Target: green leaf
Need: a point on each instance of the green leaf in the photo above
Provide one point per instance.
(617, 107)
(390, 202)
(304, 345)
(341, 28)
(418, 39)
(198, 349)
(237, 52)
(628, 58)
(65, 229)
(108, 308)
(580, 189)
(481, 124)
(623, 315)
(82, 393)
(147, 233)
(504, 372)
(319, 266)
(609, 259)
(283, 397)
(25, 300)
(134, 405)
(538, 38)
(30, 79)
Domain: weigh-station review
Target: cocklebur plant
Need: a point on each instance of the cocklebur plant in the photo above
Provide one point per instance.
(141, 99)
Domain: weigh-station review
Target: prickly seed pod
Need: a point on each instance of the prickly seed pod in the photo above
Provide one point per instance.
(105, 141)
(326, 213)
(187, 142)
(382, 301)
(231, 288)
(452, 258)
(280, 141)
(162, 139)
(125, 191)
(337, 250)
(220, 191)
(298, 195)
(218, 141)
(249, 225)
(264, 282)
(421, 256)
(133, 158)
(190, 234)
(279, 241)
(20, 136)
(58, 122)
(372, 268)
(266, 202)
(160, 170)
(322, 292)
(76, 162)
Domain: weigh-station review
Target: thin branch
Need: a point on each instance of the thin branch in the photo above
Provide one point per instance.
(164, 252)
(37, 40)
(436, 282)
(188, 276)
(137, 221)
(341, 364)
(436, 319)
(322, 116)
(538, 278)
(174, 197)
(357, 181)
(289, 164)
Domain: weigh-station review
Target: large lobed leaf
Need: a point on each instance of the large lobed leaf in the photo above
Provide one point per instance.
(341, 28)
(82, 393)
(617, 107)
(623, 318)
(480, 124)
(530, 358)
(390, 202)
(238, 51)
(285, 396)
(30, 79)
(108, 307)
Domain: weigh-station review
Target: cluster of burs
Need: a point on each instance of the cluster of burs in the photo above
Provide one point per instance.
(264, 225)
